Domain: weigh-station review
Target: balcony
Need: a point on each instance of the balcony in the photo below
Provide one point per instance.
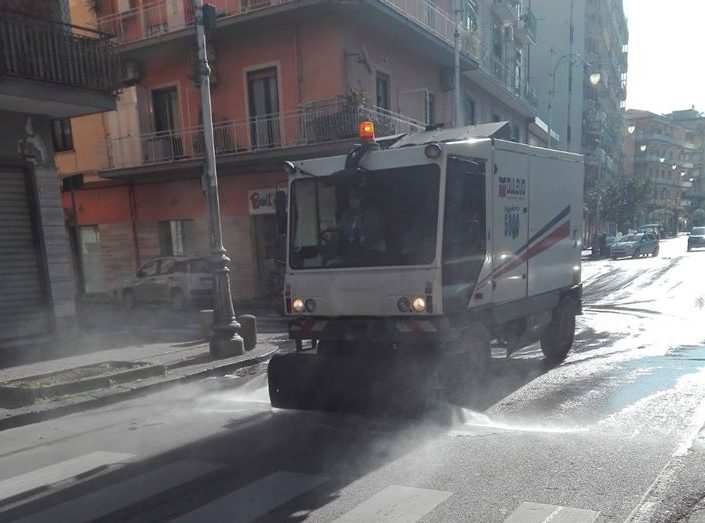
(507, 10)
(504, 74)
(52, 68)
(528, 26)
(168, 16)
(315, 123)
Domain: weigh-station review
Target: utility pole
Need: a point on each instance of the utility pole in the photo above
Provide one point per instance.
(458, 116)
(226, 340)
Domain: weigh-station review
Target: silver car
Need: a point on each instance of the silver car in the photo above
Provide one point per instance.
(635, 246)
(178, 281)
(696, 238)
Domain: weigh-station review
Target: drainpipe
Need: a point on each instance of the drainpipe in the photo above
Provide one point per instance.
(133, 222)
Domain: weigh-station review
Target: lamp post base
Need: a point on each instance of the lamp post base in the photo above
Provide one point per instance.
(226, 348)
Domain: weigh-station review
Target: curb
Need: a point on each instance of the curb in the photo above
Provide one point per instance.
(35, 416)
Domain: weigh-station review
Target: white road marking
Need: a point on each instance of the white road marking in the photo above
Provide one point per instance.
(64, 470)
(115, 497)
(256, 499)
(396, 505)
(540, 513)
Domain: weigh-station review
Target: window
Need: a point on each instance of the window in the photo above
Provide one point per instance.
(464, 240)
(518, 64)
(167, 266)
(61, 134)
(497, 39)
(469, 15)
(429, 109)
(175, 237)
(350, 221)
(263, 96)
(383, 91)
(149, 268)
(165, 107)
(469, 110)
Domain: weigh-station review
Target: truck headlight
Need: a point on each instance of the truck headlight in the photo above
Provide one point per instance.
(297, 305)
(310, 305)
(419, 304)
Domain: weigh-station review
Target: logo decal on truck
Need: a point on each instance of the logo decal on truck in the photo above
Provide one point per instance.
(513, 188)
(511, 221)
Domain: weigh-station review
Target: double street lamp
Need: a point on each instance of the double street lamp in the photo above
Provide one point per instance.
(594, 79)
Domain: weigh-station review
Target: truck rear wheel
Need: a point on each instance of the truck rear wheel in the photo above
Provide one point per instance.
(466, 364)
(558, 338)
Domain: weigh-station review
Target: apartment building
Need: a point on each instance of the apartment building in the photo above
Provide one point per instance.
(49, 70)
(695, 122)
(291, 79)
(579, 68)
(663, 150)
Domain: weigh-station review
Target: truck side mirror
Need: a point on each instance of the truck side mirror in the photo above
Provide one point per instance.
(280, 210)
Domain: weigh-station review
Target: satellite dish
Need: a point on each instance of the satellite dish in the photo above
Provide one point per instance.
(365, 60)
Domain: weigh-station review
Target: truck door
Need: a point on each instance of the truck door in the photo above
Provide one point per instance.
(511, 227)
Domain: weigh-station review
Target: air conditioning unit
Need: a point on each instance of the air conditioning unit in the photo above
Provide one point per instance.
(130, 73)
(447, 79)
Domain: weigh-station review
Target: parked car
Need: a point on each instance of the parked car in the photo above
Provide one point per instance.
(635, 245)
(178, 281)
(696, 238)
(654, 228)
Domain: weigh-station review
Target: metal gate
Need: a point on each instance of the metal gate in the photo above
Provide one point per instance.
(24, 305)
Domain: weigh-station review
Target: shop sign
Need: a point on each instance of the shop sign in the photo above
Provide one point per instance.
(261, 201)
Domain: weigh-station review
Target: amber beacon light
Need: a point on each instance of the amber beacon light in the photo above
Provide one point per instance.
(367, 131)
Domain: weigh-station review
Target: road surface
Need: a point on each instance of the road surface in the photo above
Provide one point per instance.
(613, 434)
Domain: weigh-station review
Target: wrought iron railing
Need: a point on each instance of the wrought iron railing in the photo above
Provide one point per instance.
(49, 51)
(314, 123)
(164, 16)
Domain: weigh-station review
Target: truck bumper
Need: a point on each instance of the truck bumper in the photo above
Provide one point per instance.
(416, 330)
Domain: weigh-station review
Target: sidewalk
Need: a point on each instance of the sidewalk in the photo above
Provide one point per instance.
(168, 363)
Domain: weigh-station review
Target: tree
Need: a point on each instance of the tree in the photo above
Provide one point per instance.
(699, 217)
(620, 198)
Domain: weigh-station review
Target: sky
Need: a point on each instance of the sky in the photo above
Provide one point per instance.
(666, 40)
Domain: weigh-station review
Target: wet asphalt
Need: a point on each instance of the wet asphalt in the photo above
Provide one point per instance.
(615, 431)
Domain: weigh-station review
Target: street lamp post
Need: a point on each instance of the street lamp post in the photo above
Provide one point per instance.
(594, 80)
(226, 340)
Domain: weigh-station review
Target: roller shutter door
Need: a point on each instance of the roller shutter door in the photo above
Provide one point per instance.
(24, 308)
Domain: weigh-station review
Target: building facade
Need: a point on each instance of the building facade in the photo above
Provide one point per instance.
(291, 79)
(695, 122)
(70, 71)
(663, 150)
(584, 39)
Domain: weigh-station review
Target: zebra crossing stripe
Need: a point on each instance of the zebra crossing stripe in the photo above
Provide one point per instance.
(539, 513)
(46, 476)
(254, 500)
(110, 499)
(395, 504)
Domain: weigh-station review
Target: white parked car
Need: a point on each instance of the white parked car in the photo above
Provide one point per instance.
(178, 281)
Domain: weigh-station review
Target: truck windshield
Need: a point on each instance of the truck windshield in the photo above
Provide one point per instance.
(373, 218)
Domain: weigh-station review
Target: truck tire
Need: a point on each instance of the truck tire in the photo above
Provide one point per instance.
(558, 338)
(465, 366)
(128, 299)
(177, 300)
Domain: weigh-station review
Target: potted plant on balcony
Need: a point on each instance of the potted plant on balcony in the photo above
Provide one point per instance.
(330, 120)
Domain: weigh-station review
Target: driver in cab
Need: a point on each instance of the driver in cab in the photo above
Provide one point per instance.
(361, 224)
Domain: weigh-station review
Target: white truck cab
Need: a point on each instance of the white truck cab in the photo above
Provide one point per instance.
(431, 247)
